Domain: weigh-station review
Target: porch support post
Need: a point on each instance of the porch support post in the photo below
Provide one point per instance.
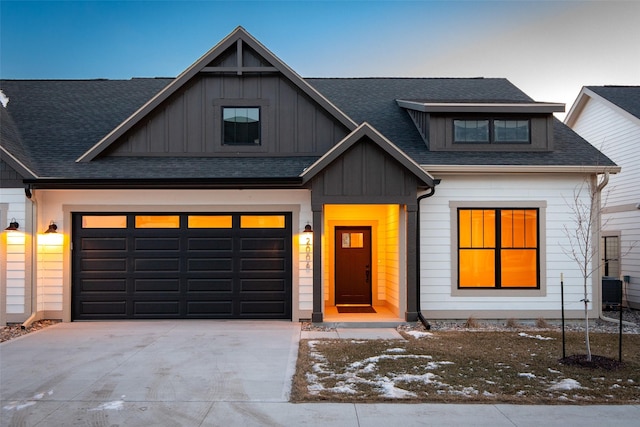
(411, 315)
(316, 315)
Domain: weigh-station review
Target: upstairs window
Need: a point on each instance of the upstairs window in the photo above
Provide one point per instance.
(511, 130)
(241, 125)
(487, 131)
(471, 131)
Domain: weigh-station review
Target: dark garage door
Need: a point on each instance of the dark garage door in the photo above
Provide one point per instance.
(150, 266)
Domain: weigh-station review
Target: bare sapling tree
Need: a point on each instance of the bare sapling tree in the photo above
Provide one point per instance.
(582, 234)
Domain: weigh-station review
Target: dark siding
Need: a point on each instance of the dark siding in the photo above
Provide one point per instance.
(441, 136)
(9, 178)
(188, 122)
(365, 174)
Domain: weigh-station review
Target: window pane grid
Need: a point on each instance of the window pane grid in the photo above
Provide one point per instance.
(491, 130)
(497, 248)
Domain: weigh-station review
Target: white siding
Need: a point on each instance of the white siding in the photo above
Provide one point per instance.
(628, 224)
(618, 136)
(619, 139)
(436, 246)
(14, 261)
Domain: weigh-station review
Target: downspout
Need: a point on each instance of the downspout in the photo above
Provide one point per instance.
(418, 285)
(34, 256)
(597, 195)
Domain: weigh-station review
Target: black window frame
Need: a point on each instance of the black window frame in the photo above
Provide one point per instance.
(492, 130)
(247, 142)
(498, 248)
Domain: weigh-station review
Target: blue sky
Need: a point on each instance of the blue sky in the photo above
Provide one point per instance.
(549, 49)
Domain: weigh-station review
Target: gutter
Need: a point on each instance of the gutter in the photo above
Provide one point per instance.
(163, 184)
(418, 284)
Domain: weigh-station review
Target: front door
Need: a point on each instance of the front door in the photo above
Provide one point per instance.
(353, 265)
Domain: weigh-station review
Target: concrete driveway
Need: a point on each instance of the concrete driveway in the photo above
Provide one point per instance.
(213, 373)
(144, 372)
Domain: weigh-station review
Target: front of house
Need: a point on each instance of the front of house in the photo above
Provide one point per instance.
(240, 190)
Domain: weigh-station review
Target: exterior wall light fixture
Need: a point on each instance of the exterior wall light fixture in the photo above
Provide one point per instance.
(52, 227)
(13, 225)
(308, 229)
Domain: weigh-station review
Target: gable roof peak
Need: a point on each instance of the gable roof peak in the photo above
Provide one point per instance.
(238, 37)
(373, 135)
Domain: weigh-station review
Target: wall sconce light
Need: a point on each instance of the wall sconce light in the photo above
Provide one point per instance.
(52, 227)
(13, 225)
(308, 229)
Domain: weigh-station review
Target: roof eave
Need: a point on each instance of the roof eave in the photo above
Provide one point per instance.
(165, 183)
(483, 107)
(457, 169)
(16, 164)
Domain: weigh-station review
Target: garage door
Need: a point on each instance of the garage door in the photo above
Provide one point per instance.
(149, 266)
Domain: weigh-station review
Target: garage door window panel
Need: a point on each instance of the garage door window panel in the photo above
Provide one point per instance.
(104, 221)
(157, 221)
(210, 221)
(262, 221)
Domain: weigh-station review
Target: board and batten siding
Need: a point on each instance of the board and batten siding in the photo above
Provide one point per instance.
(190, 121)
(618, 136)
(54, 266)
(437, 296)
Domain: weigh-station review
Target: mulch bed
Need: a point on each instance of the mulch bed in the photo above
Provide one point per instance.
(596, 362)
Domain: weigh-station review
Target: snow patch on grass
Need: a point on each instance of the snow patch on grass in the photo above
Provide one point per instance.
(419, 334)
(536, 337)
(565, 384)
(526, 375)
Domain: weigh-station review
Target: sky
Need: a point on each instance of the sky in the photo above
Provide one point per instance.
(549, 49)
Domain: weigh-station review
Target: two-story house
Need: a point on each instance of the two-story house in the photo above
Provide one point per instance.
(609, 118)
(241, 190)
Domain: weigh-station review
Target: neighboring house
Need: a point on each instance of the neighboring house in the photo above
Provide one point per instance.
(609, 118)
(241, 190)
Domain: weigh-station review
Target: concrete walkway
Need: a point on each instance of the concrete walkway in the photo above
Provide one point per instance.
(213, 373)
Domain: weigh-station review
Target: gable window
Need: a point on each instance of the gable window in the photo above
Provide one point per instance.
(241, 125)
(498, 248)
(491, 131)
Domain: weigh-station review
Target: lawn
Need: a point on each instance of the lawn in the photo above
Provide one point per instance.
(517, 366)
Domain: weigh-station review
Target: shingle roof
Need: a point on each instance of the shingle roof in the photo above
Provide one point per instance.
(62, 119)
(56, 121)
(11, 139)
(625, 97)
(373, 100)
